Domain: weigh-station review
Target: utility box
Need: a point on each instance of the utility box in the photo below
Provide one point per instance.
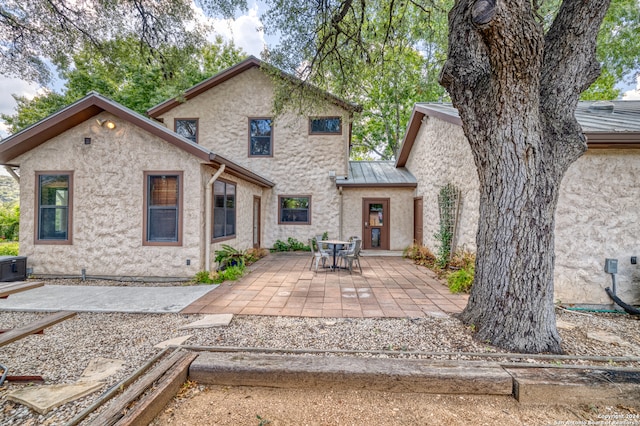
(611, 266)
(13, 268)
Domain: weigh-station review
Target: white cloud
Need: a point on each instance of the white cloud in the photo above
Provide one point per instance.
(245, 31)
(8, 87)
(633, 94)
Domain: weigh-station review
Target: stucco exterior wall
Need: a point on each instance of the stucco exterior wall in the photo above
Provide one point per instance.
(400, 215)
(300, 163)
(108, 204)
(596, 216)
(441, 155)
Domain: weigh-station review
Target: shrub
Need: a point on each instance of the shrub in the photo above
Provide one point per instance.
(9, 222)
(229, 256)
(203, 277)
(252, 255)
(420, 255)
(231, 273)
(9, 249)
(460, 281)
(291, 245)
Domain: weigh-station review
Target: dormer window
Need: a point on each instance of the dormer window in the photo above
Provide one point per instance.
(188, 128)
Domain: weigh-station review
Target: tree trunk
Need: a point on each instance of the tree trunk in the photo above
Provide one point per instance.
(516, 90)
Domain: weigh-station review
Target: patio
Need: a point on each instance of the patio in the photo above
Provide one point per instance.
(282, 284)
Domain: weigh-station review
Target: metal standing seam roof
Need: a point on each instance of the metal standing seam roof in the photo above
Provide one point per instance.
(376, 174)
(625, 116)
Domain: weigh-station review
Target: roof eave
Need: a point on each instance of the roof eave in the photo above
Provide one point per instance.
(613, 140)
(376, 185)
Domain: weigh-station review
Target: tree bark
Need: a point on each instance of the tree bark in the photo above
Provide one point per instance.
(516, 90)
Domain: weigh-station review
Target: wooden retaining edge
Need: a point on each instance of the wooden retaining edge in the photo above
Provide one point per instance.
(34, 327)
(152, 404)
(7, 289)
(171, 373)
(390, 375)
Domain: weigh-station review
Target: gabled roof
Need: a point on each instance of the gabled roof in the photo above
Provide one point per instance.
(611, 124)
(363, 174)
(229, 73)
(92, 105)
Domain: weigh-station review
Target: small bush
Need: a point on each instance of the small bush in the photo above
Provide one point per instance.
(291, 245)
(231, 273)
(9, 222)
(252, 255)
(460, 281)
(203, 277)
(9, 249)
(420, 255)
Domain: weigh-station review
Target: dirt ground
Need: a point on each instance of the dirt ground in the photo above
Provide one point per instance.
(227, 405)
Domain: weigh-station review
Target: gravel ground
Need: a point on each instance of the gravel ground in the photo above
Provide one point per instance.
(62, 353)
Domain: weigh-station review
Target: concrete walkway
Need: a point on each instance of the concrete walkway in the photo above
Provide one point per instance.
(282, 284)
(104, 299)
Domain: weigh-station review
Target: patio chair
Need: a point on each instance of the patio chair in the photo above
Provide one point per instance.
(317, 254)
(352, 255)
(323, 247)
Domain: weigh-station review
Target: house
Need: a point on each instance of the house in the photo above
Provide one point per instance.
(597, 213)
(108, 192)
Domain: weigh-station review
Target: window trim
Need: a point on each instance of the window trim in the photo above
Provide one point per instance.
(311, 132)
(69, 239)
(175, 126)
(235, 211)
(145, 212)
(271, 142)
(280, 197)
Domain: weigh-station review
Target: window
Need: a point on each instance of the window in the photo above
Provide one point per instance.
(187, 128)
(294, 209)
(163, 208)
(325, 125)
(260, 137)
(224, 209)
(54, 207)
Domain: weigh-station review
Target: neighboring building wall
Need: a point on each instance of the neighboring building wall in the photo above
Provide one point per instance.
(108, 200)
(596, 216)
(300, 164)
(441, 155)
(400, 215)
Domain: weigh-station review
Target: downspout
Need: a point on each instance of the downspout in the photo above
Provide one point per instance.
(12, 173)
(208, 218)
(340, 218)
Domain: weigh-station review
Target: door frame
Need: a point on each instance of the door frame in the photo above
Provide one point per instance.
(385, 233)
(256, 238)
(418, 221)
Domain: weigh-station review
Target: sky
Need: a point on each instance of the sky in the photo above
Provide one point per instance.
(243, 30)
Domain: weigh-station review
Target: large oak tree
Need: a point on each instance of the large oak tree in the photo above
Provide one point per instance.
(516, 89)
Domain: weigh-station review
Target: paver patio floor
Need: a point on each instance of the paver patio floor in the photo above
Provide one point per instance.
(282, 284)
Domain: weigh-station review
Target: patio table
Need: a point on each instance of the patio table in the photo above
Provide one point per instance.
(335, 243)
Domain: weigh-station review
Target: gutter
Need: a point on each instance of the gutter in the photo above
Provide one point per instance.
(208, 218)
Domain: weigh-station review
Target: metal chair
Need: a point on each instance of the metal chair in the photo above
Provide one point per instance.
(317, 254)
(352, 255)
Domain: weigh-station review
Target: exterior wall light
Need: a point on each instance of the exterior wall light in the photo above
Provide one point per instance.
(107, 123)
(332, 174)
